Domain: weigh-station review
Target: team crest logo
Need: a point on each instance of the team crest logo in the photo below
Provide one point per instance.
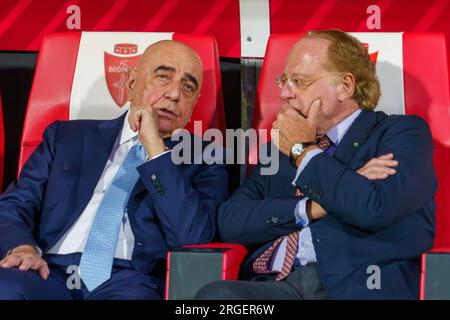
(373, 56)
(116, 70)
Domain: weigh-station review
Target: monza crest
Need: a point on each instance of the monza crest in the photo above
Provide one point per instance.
(116, 70)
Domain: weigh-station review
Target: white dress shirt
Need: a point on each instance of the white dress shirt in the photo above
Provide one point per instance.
(74, 240)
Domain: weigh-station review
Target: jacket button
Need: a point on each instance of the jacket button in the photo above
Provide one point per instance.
(153, 177)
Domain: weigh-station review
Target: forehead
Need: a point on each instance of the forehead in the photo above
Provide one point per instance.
(307, 57)
(180, 58)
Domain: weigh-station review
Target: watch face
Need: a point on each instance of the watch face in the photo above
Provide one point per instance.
(297, 149)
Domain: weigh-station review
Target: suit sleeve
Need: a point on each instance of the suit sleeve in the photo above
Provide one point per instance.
(250, 217)
(21, 203)
(186, 209)
(375, 205)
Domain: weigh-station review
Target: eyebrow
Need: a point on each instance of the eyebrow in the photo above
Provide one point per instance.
(164, 68)
(301, 75)
(188, 76)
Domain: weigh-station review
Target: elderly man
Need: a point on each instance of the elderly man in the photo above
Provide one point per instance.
(105, 198)
(352, 207)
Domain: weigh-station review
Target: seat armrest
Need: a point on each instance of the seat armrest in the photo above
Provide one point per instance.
(194, 266)
(435, 278)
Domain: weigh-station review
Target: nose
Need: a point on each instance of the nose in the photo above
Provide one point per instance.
(173, 91)
(286, 93)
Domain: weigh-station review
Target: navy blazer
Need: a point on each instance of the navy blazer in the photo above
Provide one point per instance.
(170, 205)
(387, 223)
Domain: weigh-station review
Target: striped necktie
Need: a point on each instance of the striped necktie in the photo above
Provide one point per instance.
(261, 264)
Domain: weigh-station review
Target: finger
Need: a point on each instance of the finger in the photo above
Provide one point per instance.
(370, 162)
(376, 172)
(314, 110)
(381, 170)
(283, 139)
(137, 118)
(275, 137)
(377, 176)
(130, 119)
(11, 262)
(385, 163)
(294, 115)
(42, 269)
(386, 156)
(284, 146)
(373, 174)
(2, 261)
(26, 264)
(285, 107)
(137, 122)
(275, 124)
(362, 171)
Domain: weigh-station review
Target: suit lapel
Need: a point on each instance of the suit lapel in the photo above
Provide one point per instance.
(356, 135)
(97, 147)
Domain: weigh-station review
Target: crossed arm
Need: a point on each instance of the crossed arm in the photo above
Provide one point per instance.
(375, 169)
(247, 216)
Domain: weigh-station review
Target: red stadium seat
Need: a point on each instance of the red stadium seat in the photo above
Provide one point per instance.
(423, 91)
(66, 62)
(2, 144)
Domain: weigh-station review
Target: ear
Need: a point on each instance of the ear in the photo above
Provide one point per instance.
(346, 87)
(131, 83)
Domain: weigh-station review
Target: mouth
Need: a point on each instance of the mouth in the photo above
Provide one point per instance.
(166, 114)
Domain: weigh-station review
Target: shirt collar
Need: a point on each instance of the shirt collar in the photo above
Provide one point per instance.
(337, 132)
(127, 134)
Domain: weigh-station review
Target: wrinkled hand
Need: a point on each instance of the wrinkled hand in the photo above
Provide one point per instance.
(25, 258)
(379, 168)
(145, 120)
(293, 127)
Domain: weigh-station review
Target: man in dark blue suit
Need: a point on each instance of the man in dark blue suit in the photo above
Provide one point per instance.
(352, 207)
(99, 203)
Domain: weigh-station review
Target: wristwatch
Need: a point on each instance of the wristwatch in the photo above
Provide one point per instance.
(297, 150)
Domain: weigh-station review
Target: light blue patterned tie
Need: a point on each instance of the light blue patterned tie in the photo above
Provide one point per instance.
(97, 258)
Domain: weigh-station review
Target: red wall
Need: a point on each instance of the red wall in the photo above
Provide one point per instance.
(23, 22)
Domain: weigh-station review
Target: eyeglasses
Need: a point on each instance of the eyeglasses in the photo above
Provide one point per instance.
(297, 82)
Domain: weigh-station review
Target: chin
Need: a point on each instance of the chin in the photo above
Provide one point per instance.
(165, 130)
(165, 125)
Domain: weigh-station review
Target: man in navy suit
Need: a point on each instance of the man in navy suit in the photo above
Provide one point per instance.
(61, 212)
(352, 207)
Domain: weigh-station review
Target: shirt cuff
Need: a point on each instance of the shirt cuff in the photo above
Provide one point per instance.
(38, 251)
(159, 155)
(301, 218)
(309, 155)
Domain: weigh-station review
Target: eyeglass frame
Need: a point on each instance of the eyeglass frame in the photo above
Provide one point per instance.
(306, 84)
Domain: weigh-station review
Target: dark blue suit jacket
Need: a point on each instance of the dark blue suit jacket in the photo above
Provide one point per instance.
(58, 180)
(387, 223)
